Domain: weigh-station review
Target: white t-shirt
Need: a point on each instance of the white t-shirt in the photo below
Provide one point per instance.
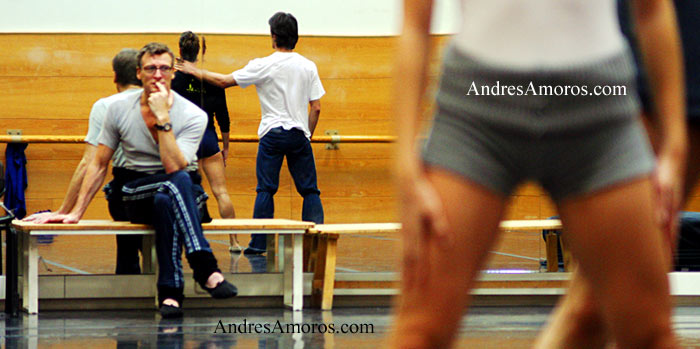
(124, 126)
(539, 33)
(97, 116)
(286, 82)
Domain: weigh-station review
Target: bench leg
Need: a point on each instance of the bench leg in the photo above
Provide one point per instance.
(310, 247)
(32, 328)
(552, 241)
(324, 273)
(272, 262)
(30, 279)
(568, 260)
(11, 254)
(281, 257)
(20, 252)
(293, 272)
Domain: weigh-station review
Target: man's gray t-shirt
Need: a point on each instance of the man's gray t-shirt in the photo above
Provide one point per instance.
(97, 116)
(124, 126)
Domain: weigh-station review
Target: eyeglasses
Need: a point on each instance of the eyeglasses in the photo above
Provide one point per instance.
(164, 69)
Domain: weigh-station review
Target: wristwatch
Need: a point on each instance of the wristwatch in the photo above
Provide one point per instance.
(165, 127)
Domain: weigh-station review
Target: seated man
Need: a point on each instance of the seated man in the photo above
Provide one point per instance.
(128, 246)
(159, 132)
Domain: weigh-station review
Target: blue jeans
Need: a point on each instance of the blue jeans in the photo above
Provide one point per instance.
(272, 149)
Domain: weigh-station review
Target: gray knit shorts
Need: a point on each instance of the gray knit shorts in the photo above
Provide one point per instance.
(499, 127)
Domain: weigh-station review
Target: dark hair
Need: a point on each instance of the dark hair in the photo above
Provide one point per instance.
(154, 49)
(284, 27)
(189, 46)
(124, 67)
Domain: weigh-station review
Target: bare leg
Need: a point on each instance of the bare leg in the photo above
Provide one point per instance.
(622, 255)
(213, 168)
(429, 311)
(576, 322)
(576, 306)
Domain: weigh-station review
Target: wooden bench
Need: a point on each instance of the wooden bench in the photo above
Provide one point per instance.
(320, 254)
(293, 247)
(552, 238)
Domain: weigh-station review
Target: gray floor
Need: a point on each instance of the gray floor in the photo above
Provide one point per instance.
(485, 327)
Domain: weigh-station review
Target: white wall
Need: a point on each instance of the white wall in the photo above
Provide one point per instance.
(316, 17)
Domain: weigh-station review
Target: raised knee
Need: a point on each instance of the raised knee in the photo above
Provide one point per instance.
(181, 177)
(161, 200)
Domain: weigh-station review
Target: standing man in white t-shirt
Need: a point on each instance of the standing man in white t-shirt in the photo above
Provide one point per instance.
(290, 92)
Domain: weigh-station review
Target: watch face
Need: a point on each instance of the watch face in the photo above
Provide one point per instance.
(167, 126)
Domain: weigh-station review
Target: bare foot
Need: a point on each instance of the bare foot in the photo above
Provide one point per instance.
(171, 302)
(214, 279)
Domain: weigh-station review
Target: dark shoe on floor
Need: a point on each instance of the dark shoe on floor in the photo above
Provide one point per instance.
(253, 250)
(223, 290)
(170, 312)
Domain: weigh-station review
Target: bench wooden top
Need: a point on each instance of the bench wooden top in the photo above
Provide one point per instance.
(265, 224)
(355, 228)
(531, 224)
(375, 228)
(256, 224)
(217, 224)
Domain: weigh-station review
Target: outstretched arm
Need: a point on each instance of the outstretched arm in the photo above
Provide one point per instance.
(213, 78)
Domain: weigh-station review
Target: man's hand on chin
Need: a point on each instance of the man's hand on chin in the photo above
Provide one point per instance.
(160, 102)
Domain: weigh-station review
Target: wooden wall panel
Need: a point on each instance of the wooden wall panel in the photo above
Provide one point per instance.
(355, 178)
(45, 126)
(74, 151)
(354, 151)
(52, 97)
(72, 98)
(49, 178)
(91, 54)
(243, 205)
(353, 209)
